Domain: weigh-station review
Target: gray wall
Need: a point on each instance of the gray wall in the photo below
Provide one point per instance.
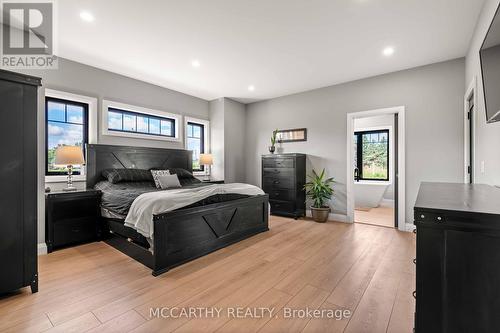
(227, 123)
(431, 94)
(234, 141)
(80, 79)
(487, 135)
(217, 137)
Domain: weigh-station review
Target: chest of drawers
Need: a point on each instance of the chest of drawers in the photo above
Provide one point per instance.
(283, 178)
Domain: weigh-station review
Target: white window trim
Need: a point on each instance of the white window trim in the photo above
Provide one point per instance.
(92, 127)
(106, 104)
(206, 137)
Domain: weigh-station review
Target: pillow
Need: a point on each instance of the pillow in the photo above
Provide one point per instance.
(168, 181)
(181, 173)
(156, 174)
(127, 175)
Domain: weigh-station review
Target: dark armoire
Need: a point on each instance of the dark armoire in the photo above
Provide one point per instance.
(18, 178)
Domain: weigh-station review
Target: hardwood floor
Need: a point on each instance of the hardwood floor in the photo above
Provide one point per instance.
(382, 216)
(365, 269)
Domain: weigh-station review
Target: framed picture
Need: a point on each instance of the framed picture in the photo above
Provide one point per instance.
(292, 135)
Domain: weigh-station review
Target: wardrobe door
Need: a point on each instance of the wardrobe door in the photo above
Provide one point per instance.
(11, 180)
(30, 192)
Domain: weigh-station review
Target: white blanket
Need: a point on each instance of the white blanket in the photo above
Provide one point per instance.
(140, 215)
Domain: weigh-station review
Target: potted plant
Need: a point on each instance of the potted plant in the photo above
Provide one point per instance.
(320, 190)
(272, 148)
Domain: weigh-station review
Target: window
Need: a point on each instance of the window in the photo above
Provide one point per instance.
(66, 125)
(119, 119)
(134, 122)
(371, 155)
(195, 141)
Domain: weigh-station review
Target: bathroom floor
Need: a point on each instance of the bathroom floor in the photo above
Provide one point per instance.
(381, 216)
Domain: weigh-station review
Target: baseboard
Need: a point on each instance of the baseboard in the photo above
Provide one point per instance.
(42, 248)
(332, 216)
(410, 227)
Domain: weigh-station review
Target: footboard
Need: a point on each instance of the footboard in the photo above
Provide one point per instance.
(183, 235)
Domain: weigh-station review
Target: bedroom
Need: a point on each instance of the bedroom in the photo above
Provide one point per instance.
(201, 87)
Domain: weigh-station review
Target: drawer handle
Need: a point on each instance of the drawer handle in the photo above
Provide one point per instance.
(422, 216)
(414, 294)
(277, 194)
(276, 182)
(439, 218)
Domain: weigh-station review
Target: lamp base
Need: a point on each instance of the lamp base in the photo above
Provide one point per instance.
(69, 189)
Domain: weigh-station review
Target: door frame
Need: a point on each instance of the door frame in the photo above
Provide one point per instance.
(471, 91)
(401, 175)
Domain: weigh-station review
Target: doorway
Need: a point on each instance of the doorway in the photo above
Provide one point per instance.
(470, 102)
(375, 172)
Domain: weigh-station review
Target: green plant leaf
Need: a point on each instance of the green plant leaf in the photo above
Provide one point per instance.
(318, 189)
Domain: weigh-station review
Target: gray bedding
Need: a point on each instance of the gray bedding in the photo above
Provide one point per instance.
(118, 198)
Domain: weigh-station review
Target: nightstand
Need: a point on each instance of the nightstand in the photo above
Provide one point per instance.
(213, 181)
(71, 218)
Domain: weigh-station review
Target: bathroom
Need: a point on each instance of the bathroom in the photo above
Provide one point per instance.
(374, 172)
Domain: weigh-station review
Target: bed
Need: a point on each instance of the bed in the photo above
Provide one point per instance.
(182, 234)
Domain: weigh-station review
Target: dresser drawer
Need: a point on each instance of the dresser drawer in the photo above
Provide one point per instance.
(281, 194)
(74, 231)
(276, 182)
(282, 206)
(279, 172)
(278, 163)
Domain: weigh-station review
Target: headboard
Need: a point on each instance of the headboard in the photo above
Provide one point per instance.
(101, 157)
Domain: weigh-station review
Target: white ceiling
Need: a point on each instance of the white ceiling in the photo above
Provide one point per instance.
(279, 46)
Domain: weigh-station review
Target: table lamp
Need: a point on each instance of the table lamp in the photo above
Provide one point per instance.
(206, 160)
(69, 156)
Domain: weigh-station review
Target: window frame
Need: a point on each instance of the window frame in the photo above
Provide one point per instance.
(139, 111)
(137, 114)
(205, 139)
(85, 126)
(359, 165)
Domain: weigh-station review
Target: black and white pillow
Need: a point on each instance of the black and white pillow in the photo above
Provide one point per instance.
(168, 181)
(156, 174)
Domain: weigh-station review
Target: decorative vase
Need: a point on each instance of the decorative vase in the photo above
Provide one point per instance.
(320, 214)
(272, 149)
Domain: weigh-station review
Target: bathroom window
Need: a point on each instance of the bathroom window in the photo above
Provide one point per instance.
(371, 155)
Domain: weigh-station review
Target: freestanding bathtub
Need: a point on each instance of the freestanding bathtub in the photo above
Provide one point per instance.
(369, 194)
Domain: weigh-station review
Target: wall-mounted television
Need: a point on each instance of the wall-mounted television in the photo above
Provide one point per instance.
(490, 68)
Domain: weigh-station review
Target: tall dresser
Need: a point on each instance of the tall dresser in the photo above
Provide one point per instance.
(458, 258)
(283, 178)
(18, 178)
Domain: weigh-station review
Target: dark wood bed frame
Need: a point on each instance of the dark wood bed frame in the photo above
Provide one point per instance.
(181, 235)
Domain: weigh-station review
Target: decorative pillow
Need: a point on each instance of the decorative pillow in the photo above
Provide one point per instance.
(168, 181)
(181, 173)
(156, 174)
(127, 175)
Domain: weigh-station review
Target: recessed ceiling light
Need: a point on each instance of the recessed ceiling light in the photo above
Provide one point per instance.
(251, 87)
(388, 51)
(87, 16)
(195, 63)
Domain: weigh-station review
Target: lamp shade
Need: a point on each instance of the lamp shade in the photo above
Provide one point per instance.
(206, 159)
(69, 155)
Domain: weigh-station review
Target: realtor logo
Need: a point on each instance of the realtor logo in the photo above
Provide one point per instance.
(28, 35)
